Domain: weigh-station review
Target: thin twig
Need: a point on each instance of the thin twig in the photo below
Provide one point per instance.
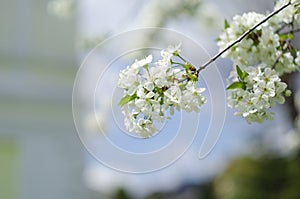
(291, 31)
(295, 30)
(287, 43)
(242, 36)
(277, 60)
(181, 58)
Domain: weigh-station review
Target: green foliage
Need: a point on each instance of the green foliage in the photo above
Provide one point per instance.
(242, 74)
(120, 194)
(239, 84)
(236, 85)
(283, 37)
(265, 178)
(126, 99)
(226, 24)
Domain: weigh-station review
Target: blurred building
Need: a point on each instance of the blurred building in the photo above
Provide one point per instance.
(40, 153)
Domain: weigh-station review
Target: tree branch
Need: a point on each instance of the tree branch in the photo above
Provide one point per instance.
(242, 37)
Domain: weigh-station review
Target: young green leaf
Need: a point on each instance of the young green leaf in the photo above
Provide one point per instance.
(226, 24)
(239, 72)
(245, 74)
(235, 85)
(126, 99)
(290, 36)
(283, 37)
(242, 74)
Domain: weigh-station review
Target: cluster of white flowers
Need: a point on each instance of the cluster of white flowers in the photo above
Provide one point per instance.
(287, 15)
(153, 88)
(262, 57)
(263, 45)
(240, 53)
(255, 92)
(261, 49)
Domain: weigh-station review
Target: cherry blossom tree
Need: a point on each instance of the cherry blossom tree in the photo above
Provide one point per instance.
(260, 47)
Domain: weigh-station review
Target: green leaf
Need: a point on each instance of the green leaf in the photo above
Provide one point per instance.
(239, 71)
(226, 24)
(297, 11)
(290, 36)
(235, 85)
(242, 74)
(282, 37)
(245, 74)
(126, 99)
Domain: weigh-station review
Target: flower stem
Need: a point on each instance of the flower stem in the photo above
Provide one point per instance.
(182, 58)
(214, 58)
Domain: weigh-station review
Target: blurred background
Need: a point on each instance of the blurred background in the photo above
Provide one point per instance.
(42, 44)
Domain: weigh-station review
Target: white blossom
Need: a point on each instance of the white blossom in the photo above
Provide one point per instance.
(152, 89)
(286, 15)
(241, 52)
(129, 78)
(264, 55)
(266, 44)
(263, 90)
